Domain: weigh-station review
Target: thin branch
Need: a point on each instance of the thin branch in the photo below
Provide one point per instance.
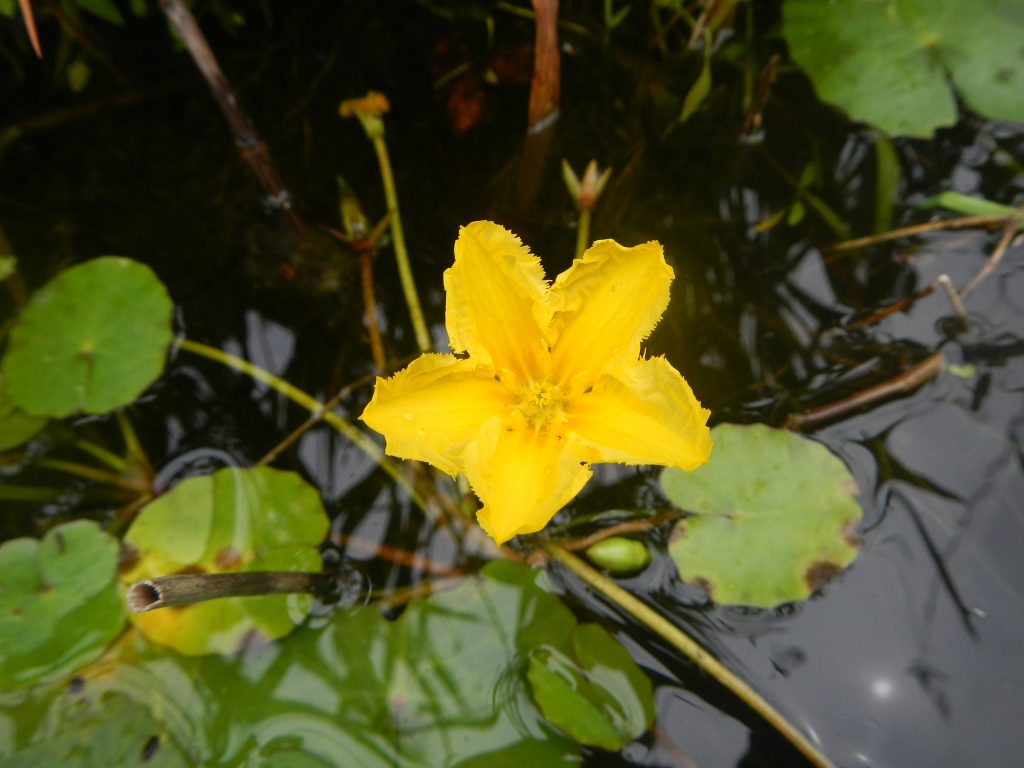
(920, 229)
(620, 529)
(958, 306)
(1009, 230)
(402, 557)
(910, 379)
(252, 148)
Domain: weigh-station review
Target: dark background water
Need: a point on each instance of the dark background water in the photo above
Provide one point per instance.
(911, 657)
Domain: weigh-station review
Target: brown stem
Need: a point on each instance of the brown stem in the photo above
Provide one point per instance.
(370, 308)
(30, 26)
(904, 382)
(997, 256)
(188, 588)
(752, 120)
(250, 145)
(918, 229)
(546, 82)
(630, 526)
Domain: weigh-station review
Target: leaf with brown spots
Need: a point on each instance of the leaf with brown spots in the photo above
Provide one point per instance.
(773, 517)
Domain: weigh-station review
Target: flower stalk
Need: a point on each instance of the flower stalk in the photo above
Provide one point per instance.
(370, 110)
(584, 193)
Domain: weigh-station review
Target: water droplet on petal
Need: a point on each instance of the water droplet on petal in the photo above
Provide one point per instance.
(408, 416)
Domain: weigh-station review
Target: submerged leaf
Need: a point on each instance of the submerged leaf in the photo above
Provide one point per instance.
(443, 685)
(595, 693)
(773, 517)
(91, 339)
(233, 520)
(59, 606)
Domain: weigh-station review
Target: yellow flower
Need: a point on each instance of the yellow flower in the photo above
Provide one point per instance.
(553, 381)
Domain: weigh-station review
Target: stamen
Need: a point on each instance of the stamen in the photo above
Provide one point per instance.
(541, 404)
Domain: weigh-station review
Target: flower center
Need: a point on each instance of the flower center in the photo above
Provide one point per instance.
(541, 404)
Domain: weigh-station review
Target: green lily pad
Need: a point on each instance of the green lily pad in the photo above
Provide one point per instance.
(233, 520)
(91, 339)
(442, 685)
(598, 695)
(888, 62)
(59, 605)
(16, 426)
(774, 516)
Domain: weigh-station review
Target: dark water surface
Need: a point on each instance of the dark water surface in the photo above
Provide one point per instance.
(911, 657)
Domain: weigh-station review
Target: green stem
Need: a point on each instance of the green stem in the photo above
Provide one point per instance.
(311, 404)
(89, 473)
(133, 448)
(689, 648)
(29, 493)
(100, 453)
(582, 232)
(401, 254)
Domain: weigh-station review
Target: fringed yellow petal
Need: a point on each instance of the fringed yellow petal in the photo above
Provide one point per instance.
(643, 414)
(496, 307)
(604, 305)
(523, 477)
(430, 410)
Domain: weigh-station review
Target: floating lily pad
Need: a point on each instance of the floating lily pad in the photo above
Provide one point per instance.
(91, 339)
(889, 63)
(597, 695)
(16, 426)
(59, 605)
(443, 685)
(233, 520)
(774, 516)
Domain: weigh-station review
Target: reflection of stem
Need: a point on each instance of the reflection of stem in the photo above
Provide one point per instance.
(583, 232)
(689, 648)
(401, 254)
(310, 403)
(188, 588)
(398, 597)
(818, 205)
(402, 557)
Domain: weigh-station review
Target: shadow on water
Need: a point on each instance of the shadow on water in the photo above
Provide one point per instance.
(909, 658)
